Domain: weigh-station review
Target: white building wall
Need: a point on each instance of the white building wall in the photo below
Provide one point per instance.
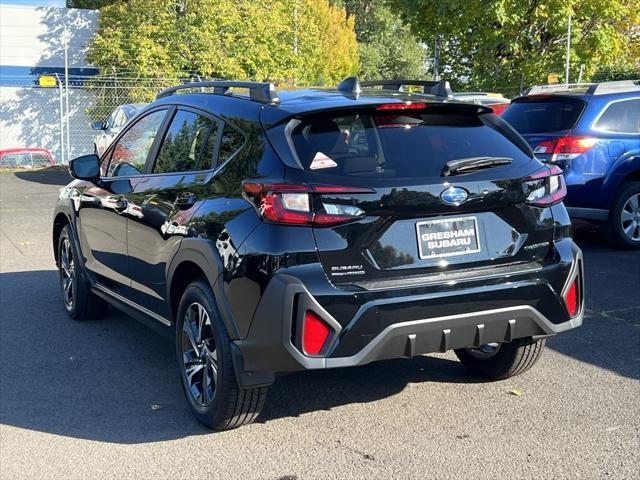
(33, 36)
(32, 42)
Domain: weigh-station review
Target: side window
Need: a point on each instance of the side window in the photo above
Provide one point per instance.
(621, 117)
(118, 119)
(188, 144)
(111, 119)
(131, 151)
(232, 141)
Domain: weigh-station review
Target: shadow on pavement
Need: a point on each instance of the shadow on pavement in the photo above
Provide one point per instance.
(610, 335)
(46, 176)
(113, 380)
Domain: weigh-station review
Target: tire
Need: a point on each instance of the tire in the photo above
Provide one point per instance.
(203, 347)
(622, 228)
(77, 298)
(507, 360)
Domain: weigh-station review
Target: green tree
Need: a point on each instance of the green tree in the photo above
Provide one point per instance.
(489, 44)
(387, 46)
(89, 4)
(294, 42)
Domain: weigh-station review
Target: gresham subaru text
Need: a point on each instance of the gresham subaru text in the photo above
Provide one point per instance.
(271, 232)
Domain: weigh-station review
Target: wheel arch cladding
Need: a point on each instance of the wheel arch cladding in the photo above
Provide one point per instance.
(59, 223)
(198, 258)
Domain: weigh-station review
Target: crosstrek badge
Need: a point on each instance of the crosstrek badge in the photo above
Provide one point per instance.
(322, 161)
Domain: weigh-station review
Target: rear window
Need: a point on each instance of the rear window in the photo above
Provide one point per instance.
(545, 116)
(395, 145)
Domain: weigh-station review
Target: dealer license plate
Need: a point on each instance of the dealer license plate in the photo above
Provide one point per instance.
(445, 237)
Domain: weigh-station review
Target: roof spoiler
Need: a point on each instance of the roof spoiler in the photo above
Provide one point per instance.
(440, 88)
(262, 92)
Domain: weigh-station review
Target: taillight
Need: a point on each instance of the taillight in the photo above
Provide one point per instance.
(294, 204)
(314, 333)
(498, 108)
(565, 148)
(545, 188)
(401, 106)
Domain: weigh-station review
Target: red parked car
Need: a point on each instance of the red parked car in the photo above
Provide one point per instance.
(26, 157)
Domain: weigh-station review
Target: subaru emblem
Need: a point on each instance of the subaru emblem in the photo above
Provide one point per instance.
(454, 196)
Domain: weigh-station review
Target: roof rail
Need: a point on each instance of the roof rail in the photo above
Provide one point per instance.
(564, 87)
(263, 92)
(440, 88)
(618, 86)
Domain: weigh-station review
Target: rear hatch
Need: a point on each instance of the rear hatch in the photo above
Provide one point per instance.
(542, 119)
(411, 220)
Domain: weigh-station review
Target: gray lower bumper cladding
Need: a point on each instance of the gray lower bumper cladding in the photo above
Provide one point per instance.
(270, 343)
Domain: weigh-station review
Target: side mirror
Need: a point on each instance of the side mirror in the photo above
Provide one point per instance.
(86, 167)
(97, 126)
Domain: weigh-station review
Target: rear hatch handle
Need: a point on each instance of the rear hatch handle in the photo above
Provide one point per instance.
(463, 165)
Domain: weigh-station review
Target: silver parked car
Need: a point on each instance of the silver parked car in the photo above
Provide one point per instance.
(110, 129)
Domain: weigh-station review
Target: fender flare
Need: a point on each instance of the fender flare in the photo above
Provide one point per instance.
(203, 253)
(65, 207)
(621, 169)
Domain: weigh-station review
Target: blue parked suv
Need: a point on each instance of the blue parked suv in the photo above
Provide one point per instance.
(592, 132)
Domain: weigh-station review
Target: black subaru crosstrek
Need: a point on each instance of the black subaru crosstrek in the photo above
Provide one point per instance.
(319, 228)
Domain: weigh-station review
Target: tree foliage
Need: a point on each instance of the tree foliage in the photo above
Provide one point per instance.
(89, 4)
(296, 42)
(387, 46)
(617, 71)
(489, 44)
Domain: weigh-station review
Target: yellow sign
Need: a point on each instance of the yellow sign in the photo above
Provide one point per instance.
(552, 78)
(47, 81)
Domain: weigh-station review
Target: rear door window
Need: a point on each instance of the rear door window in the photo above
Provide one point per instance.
(188, 144)
(544, 116)
(396, 145)
(621, 117)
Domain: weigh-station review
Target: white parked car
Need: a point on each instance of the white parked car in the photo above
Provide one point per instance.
(492, 100)
(112, 127)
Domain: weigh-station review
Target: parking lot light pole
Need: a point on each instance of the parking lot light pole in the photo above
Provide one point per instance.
(66, 83)
(566, 68)
(61, 94)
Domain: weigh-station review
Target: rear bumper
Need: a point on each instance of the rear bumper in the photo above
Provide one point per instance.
(270, 345)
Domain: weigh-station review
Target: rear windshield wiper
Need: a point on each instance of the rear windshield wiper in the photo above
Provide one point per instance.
(463, 165)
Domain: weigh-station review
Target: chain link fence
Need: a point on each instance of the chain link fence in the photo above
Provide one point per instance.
(40, 126)
(92, 101)
(62, 119)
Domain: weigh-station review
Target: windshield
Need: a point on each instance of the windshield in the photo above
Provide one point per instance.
(396, 144)
(544, 116)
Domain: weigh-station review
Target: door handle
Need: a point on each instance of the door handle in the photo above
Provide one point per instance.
(185, 200)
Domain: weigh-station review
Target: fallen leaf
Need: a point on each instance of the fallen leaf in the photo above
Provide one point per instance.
(25, 243)
(516, 391)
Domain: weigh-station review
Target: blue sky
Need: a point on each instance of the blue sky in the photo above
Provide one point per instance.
(34, 3)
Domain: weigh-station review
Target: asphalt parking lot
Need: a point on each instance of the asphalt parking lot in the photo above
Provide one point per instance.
(102, 399)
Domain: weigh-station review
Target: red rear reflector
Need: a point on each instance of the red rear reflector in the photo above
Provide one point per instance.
(314, 333)
(401, 106)
(571, 298)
